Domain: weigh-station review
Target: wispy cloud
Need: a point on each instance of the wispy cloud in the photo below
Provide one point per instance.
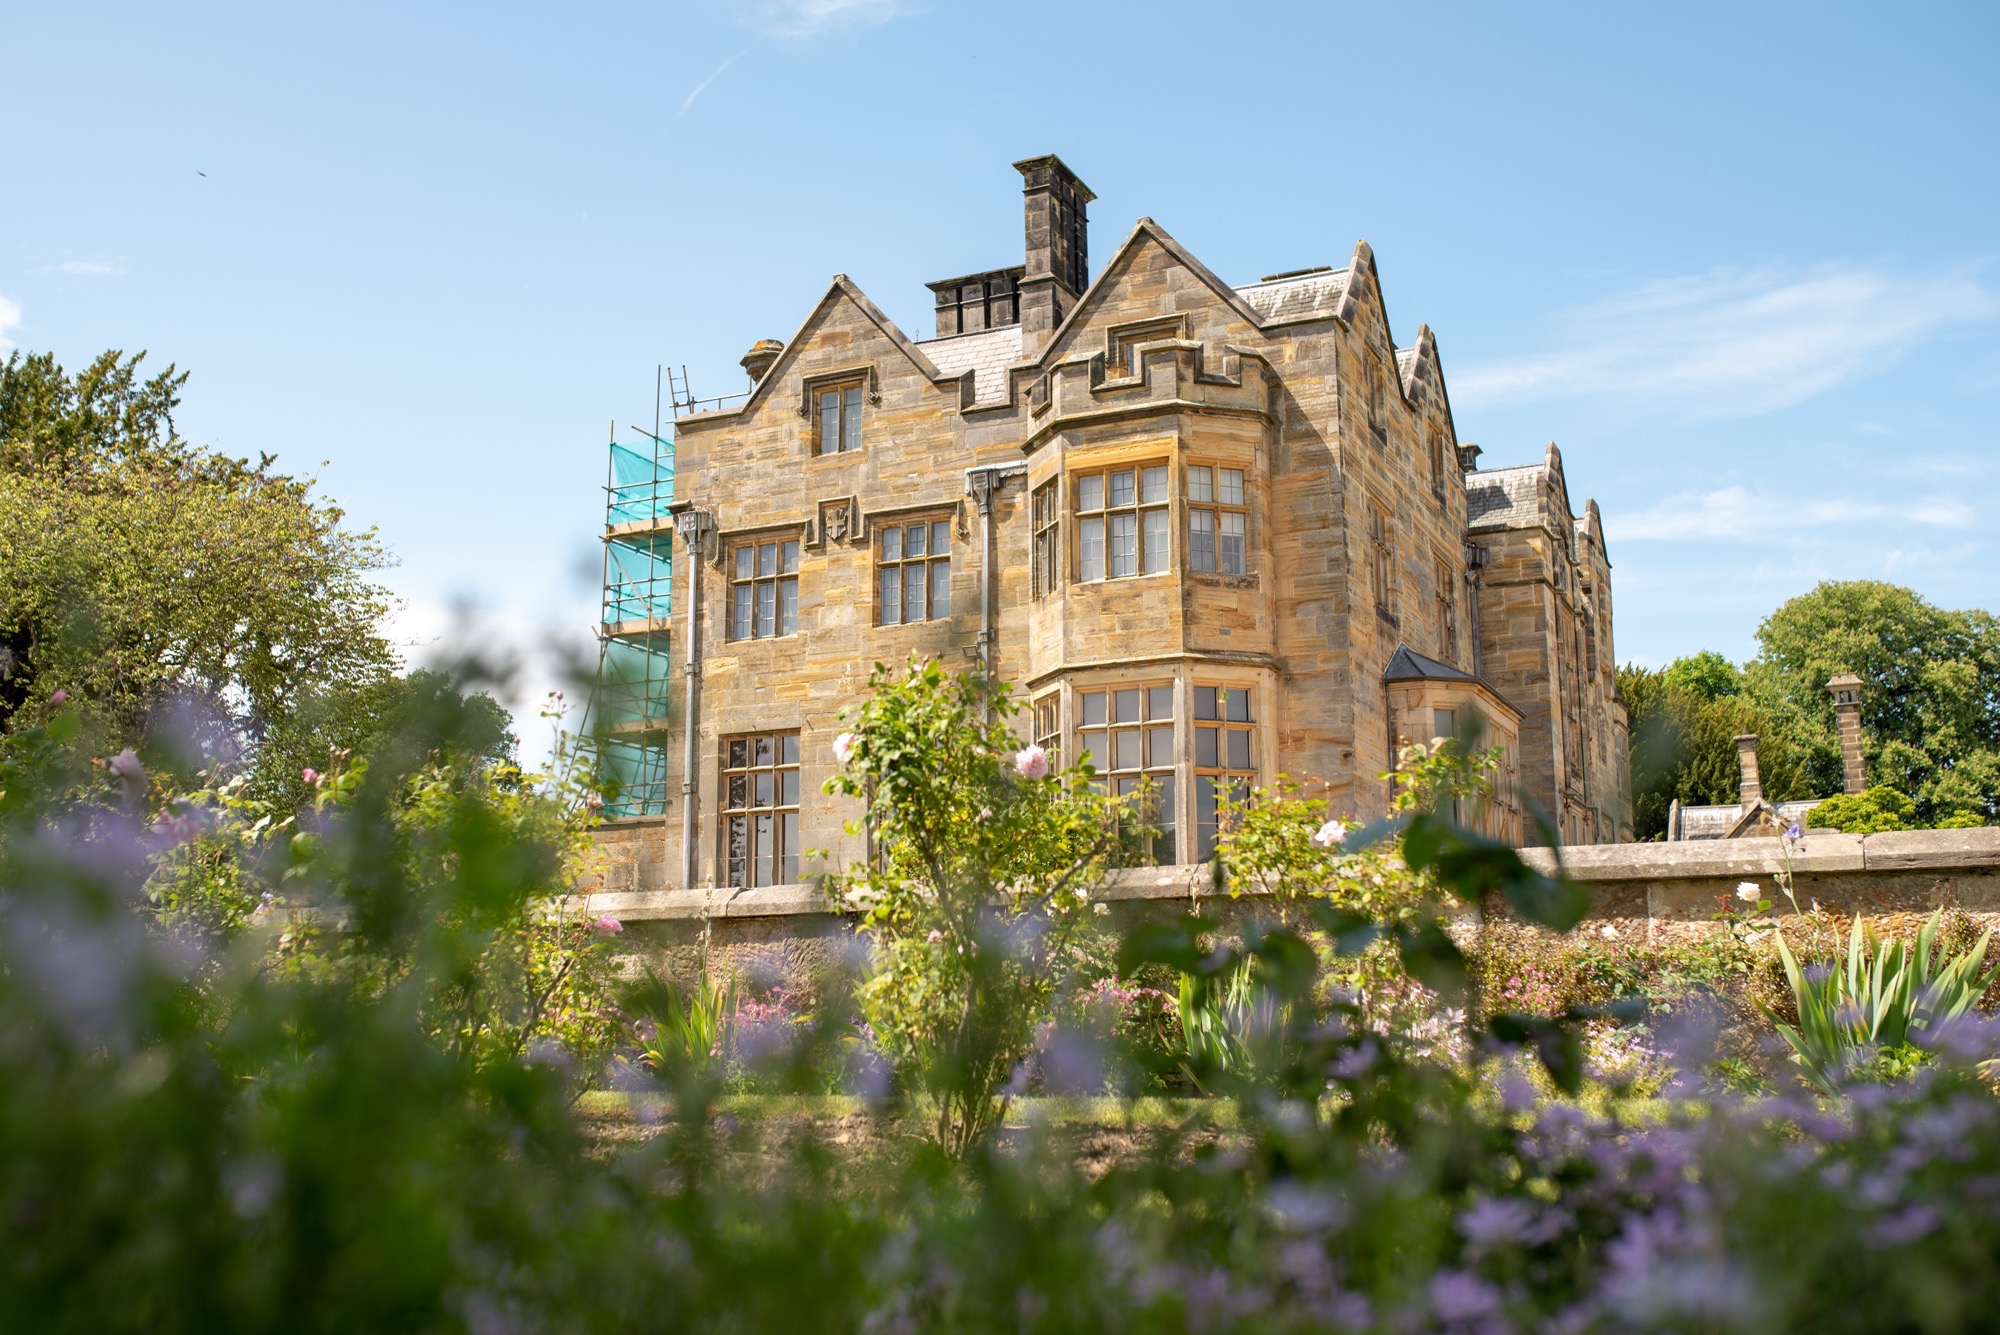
(88, 268)
(806, 18)
(1737, 513)
(702, 87)
(1933, 467)
(1730, 344)
(10, 320)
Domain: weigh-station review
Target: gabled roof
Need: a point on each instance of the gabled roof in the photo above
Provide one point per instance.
(841, 286)
(1515, 497)
(1504, 497)
(1310, 296)
(1143, 230)
(1406, 664)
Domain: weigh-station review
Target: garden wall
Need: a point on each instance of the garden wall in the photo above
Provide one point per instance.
(1650, 892)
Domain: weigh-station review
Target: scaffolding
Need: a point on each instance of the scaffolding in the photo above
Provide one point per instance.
(630, 706)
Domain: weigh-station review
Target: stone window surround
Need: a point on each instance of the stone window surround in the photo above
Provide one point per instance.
(810, 387)
(755, 804)
(1184, 673)
(1061, 485)
(727, 546)
(933, 518)
(1111, 507)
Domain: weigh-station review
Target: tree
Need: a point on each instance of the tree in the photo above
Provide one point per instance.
(1705, 676)
(1685, 719)
(1930, 702)
(348, 719)
(190, 603)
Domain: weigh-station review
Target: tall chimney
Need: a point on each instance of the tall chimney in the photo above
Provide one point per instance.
(1746, 756)
(1846, 690)
(1058, 237)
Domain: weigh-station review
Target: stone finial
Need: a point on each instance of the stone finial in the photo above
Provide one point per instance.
(762, 355)
(1846, 692)
(1746, 758)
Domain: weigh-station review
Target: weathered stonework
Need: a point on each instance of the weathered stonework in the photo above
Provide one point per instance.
(1654, 892)
(1356, 542)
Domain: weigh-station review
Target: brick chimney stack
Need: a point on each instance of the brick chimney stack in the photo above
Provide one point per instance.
(1746, 756)
(1846, 691)
(1058, 247)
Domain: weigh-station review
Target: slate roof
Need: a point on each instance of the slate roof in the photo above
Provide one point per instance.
(1311, 296)
(987, 354)
(1504, 497)
(1716, 822)
(1409, 665)
(1406, 365)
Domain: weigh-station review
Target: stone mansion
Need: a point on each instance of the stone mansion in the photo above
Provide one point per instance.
(1209, 533)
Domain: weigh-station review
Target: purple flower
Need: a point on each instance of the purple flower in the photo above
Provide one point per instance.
(1795, 831)
(1490, 1221)
(1457, 1296)
(1031, 763)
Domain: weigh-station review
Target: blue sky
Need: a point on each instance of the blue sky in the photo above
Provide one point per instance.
(1740, 262)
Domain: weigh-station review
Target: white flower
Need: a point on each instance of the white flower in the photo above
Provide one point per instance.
(843, 746)
(1608, 932)
(1100, 909)
(1330, 834)
(1031, 762)
(1747, 891)
(986, 813)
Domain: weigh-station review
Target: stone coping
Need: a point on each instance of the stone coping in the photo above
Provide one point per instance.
(785, 901)
(1818, 853)
(1593, 864)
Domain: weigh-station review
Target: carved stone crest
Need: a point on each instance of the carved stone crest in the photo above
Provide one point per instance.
(837, 520)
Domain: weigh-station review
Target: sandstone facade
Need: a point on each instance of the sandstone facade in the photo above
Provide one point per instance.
(1190, 524)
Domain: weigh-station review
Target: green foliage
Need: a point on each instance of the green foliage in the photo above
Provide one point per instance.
(193, 1141)
(188, 603)
(362, 719)
(1884, 997)
(1930, 713)
(1684, 722)
(683, 1032)
(1869, 812)
(986, 869)
(1706, 676)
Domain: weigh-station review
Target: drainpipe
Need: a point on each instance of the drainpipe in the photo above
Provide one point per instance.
(694, 526)
(984, 484)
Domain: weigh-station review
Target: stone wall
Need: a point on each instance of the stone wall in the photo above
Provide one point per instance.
(1643, 892)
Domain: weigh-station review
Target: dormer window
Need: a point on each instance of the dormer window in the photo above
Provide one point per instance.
(838, 420)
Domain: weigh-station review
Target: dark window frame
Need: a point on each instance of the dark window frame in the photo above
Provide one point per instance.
(929, 563)
(759, 809)
(747, 607)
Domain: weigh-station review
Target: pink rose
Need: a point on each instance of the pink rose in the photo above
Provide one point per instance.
(1330, 834)
(126, 769)
(309, 774)
(58, 697)
(1031, 763)
(843, 746)
(607, 926)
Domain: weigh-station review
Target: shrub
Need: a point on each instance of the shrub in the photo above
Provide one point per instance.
(988, 862)
(1872, 811)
